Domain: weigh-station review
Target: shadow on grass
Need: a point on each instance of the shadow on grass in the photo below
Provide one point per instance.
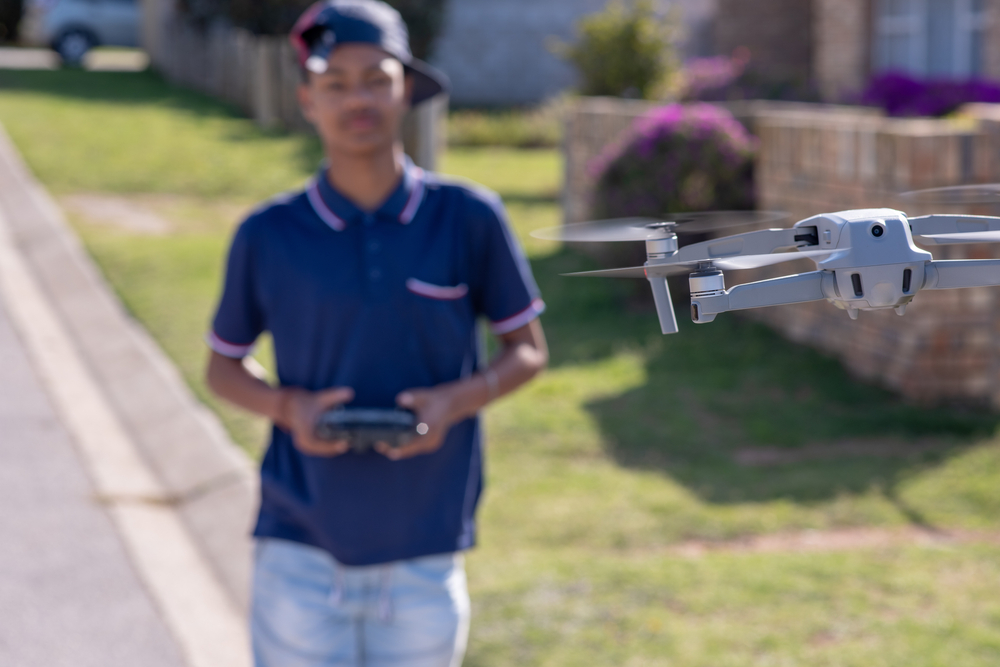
(716, 389)
(144, 88)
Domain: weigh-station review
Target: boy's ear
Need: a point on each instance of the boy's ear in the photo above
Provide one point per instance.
(408, 88)
(304, 93)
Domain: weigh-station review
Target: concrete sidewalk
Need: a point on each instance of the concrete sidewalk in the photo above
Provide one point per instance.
(68, 592)
(126, 508)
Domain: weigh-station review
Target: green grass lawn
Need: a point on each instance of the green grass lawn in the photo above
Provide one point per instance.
(626, 446)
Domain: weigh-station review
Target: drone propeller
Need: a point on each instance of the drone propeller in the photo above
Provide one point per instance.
(729, 264)
(987, 193)
(644, 229)
(962, 237)
(627, 272)
(945, 229)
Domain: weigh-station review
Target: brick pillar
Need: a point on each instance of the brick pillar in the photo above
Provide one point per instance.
(991, 42)
(842, 33)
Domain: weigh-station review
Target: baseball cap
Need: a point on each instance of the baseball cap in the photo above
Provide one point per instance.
(329, 23)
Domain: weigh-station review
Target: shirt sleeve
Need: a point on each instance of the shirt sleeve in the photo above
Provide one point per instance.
(238, 320)
(506, 290)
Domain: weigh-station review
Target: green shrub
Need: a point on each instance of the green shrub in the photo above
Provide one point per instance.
(679, 158)
(540, 127)
(625, 51)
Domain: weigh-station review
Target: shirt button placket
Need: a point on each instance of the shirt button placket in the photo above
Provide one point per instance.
(373, 247)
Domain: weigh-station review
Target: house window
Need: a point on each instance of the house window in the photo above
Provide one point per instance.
(930, 38)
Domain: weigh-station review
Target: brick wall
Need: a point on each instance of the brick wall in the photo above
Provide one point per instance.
(942, 350)
(815, 159)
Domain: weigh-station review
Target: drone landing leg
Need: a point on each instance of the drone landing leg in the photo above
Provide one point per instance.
(799, 288)
(954, 273)
(664, 306)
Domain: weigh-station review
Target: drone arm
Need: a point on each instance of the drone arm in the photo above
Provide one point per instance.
(955, 273)
(799, 288)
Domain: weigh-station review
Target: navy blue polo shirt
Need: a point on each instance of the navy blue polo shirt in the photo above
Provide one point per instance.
(379, 302)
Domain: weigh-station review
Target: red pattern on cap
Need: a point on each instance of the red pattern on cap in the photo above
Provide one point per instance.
(306, 21)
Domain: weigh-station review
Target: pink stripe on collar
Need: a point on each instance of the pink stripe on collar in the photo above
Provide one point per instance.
(416, 197)
(322, 210)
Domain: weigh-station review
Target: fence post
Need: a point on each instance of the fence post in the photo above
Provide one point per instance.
(424, 132)
(266, 83)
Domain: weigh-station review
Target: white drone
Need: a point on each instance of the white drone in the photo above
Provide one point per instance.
(866, 259)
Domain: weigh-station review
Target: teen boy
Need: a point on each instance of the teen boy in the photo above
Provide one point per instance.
(371, 282)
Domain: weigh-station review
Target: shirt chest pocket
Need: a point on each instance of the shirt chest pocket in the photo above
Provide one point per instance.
(437, 292)
(442, 313)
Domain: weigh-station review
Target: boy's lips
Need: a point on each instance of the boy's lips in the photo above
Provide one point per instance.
(362, 121)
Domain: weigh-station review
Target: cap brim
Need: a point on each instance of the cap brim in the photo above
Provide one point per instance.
(427, 81)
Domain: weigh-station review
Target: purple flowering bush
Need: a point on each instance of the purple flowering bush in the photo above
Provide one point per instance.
(900, 94)
(681, 157)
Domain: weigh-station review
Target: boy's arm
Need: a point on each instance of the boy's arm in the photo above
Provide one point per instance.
(295, 410)
(522, 356)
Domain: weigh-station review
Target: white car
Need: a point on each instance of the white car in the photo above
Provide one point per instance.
(73, 27)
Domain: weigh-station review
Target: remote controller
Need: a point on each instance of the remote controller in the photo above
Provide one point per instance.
(363, 427)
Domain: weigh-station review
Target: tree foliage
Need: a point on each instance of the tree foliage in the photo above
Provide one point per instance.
(10, 17)
(625, 51)
(424, 18)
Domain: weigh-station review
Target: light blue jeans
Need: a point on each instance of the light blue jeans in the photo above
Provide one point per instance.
(311, 611)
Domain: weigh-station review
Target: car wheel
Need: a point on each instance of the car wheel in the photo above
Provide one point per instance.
(73, 45)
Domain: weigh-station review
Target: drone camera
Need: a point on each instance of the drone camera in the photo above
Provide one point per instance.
(877, 230)
(810, 236)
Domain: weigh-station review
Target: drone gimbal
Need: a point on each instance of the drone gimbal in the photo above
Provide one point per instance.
(866, 260)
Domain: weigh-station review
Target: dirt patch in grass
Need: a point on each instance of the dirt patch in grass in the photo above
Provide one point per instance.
(846, 539)
(155, 214)
(128, 214)
(877, 448)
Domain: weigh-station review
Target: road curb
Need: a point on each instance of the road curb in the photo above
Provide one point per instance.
(207, 479)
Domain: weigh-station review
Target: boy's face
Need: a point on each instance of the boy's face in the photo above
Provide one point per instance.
(358, 104)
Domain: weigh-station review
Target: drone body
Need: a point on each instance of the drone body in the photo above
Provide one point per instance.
(866, 260)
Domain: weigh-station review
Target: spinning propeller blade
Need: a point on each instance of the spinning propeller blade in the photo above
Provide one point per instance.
(987, 193)
(642, 229)
(962, 237)
(626, 272)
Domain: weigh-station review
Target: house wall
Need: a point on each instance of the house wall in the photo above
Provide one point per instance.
(778, 34)
(497, 52)
(842, 31)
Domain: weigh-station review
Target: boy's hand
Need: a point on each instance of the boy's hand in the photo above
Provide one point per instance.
(301, 411)
(436, 415)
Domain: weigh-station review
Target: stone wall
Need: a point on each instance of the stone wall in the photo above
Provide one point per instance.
(815, 159)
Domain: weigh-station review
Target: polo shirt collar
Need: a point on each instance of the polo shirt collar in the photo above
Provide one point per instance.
(338, 211)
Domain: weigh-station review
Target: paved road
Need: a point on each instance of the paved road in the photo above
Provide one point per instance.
(69, 595)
